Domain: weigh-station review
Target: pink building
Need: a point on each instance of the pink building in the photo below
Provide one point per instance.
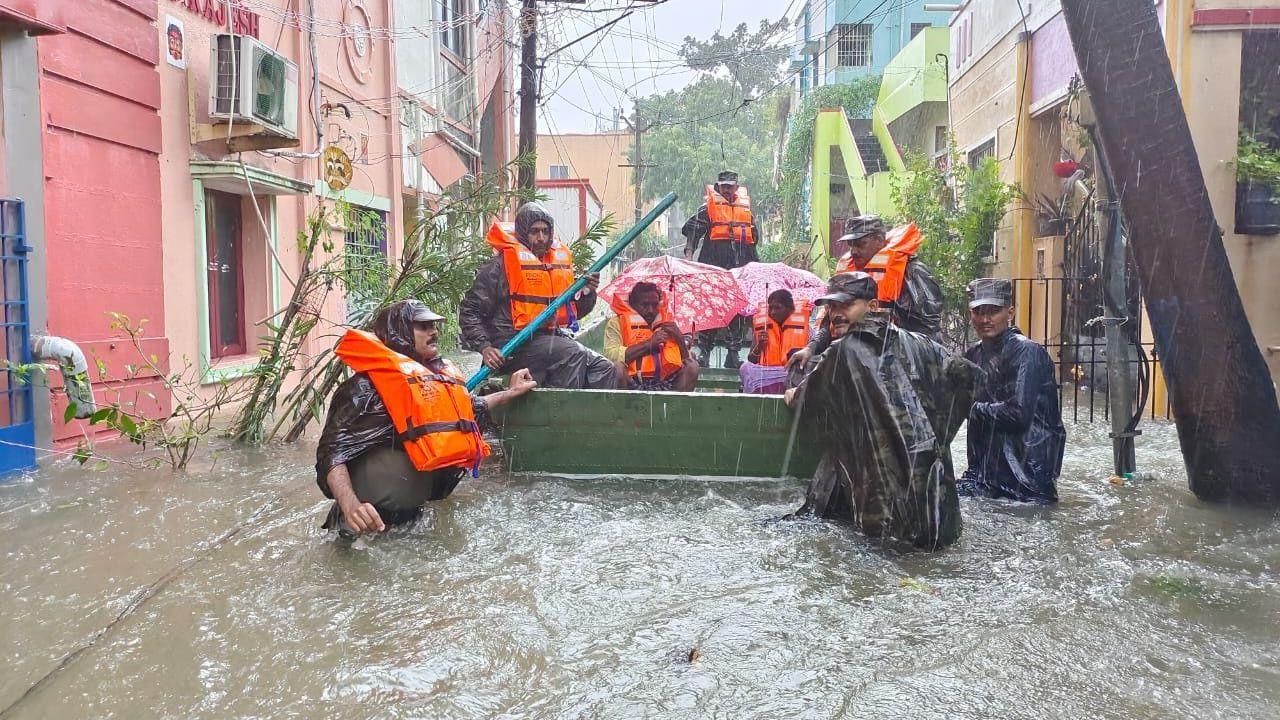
(163, 155)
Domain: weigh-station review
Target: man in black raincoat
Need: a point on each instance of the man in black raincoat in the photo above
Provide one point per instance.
(359, 464)
(1015, 434)
(553, 357)
(918, 307)
(887, 404)
(727, 254)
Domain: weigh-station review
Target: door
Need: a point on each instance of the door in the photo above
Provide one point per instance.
(17, 429)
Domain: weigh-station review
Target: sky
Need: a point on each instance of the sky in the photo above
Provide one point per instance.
(638, 56)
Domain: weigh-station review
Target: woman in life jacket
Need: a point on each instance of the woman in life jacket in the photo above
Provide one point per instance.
(402, 431)
(644, 337)
(780, 329)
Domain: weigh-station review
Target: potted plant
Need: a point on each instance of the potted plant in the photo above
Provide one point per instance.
(1257, 187)
(1051, 217)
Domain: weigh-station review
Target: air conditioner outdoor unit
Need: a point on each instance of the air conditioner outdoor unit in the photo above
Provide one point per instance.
(252, 83)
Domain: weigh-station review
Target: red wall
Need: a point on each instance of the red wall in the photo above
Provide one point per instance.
(100, 93)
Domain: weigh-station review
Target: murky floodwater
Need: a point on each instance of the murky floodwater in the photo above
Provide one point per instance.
(553, 599)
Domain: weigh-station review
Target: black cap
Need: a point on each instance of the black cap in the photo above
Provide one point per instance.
(861, 226)
(847, 287)
(990, 291)
(727, 177)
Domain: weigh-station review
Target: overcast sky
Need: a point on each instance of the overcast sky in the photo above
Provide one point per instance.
(637, 56)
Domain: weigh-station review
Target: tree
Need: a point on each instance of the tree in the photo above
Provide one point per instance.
(688, 150)
(1222, 396)
(752, 60)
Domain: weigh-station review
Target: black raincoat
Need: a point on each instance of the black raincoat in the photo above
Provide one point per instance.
(554, 359)
(1016, 438)
(358, 426)
(918, 308)
(887, 404)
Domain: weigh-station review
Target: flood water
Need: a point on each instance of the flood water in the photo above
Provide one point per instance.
(577, 599)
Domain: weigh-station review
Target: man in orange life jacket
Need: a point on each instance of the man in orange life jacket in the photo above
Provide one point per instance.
(402, 431)
(780, 329)
(724, 233)
(906, 287)
(644, 336)
(530, 270)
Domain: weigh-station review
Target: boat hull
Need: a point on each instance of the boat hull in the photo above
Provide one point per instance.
(653, 435)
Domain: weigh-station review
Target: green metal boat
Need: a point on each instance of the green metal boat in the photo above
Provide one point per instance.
(716, 432)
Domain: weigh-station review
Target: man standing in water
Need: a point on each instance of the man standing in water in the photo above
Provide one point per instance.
(531, 270)
(887, 404)
(724, 233)
(1016, 438)
(402, 431)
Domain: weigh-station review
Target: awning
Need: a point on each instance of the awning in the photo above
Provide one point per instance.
(38, 17)
(442, 159)
(233, 178)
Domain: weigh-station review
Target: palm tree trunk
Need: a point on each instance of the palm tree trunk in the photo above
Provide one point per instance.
(1221, 392)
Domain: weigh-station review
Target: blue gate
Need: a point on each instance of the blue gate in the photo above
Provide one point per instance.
(17, 429)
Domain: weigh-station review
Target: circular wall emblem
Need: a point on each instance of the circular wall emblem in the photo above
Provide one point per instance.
(337, 168)
(359, 40)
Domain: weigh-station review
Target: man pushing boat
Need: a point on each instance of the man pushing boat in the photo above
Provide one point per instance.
(403, 430)
(886, 404)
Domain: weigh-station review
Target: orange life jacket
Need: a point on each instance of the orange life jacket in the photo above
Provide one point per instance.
(780, 341)
(431, 411)
(533, 282)
(635, 329)
(889, 266)
(730, 221)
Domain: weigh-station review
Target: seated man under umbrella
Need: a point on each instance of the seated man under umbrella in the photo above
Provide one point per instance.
(644, 337)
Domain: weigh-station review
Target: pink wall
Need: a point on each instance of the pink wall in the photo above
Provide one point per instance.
(1053, 59)
(100, 94)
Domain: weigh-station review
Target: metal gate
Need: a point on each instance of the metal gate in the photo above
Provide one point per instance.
(17, 428)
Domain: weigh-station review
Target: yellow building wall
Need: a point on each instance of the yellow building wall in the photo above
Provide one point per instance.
(595, 157)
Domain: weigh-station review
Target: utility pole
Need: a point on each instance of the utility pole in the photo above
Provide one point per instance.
(528, 92)
(638, 129)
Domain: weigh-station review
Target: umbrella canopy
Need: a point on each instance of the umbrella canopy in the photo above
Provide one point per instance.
(702, 297)
(757, 280)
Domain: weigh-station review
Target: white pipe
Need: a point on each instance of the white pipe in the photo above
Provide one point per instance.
(75, 370)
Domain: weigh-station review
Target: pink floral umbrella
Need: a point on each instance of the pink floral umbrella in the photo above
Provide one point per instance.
(757, 280)
(702, 297)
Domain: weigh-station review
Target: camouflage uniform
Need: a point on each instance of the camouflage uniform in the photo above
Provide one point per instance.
(888, 403)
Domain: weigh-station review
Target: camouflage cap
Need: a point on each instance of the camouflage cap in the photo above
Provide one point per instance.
(990, 291)
(861, 226)
(847, 287)
(727, 177)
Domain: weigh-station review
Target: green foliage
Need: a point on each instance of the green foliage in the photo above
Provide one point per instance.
(857, 98)
(956, 236)
(688, 155)
(1257, 161)
(751, 60)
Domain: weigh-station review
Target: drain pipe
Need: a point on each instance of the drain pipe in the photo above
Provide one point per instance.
(75, 370)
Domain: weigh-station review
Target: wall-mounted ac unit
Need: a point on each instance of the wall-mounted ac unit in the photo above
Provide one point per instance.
(250, 82)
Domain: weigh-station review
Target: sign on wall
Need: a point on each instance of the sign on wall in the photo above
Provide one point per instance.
(243, 20)
(174, 42)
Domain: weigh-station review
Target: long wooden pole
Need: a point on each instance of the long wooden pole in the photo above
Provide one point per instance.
(1220, 389)
(523, 336)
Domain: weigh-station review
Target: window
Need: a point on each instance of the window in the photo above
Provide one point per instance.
(225, 253)
(365, 252)
(916, 28)
(853, 47)
(986, 149)
(453, 26)
(559, 172)
(939, 139)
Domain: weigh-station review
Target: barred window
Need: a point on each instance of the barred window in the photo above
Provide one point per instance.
(853, 45)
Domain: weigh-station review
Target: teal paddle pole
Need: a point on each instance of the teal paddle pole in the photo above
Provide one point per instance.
(523, 336)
